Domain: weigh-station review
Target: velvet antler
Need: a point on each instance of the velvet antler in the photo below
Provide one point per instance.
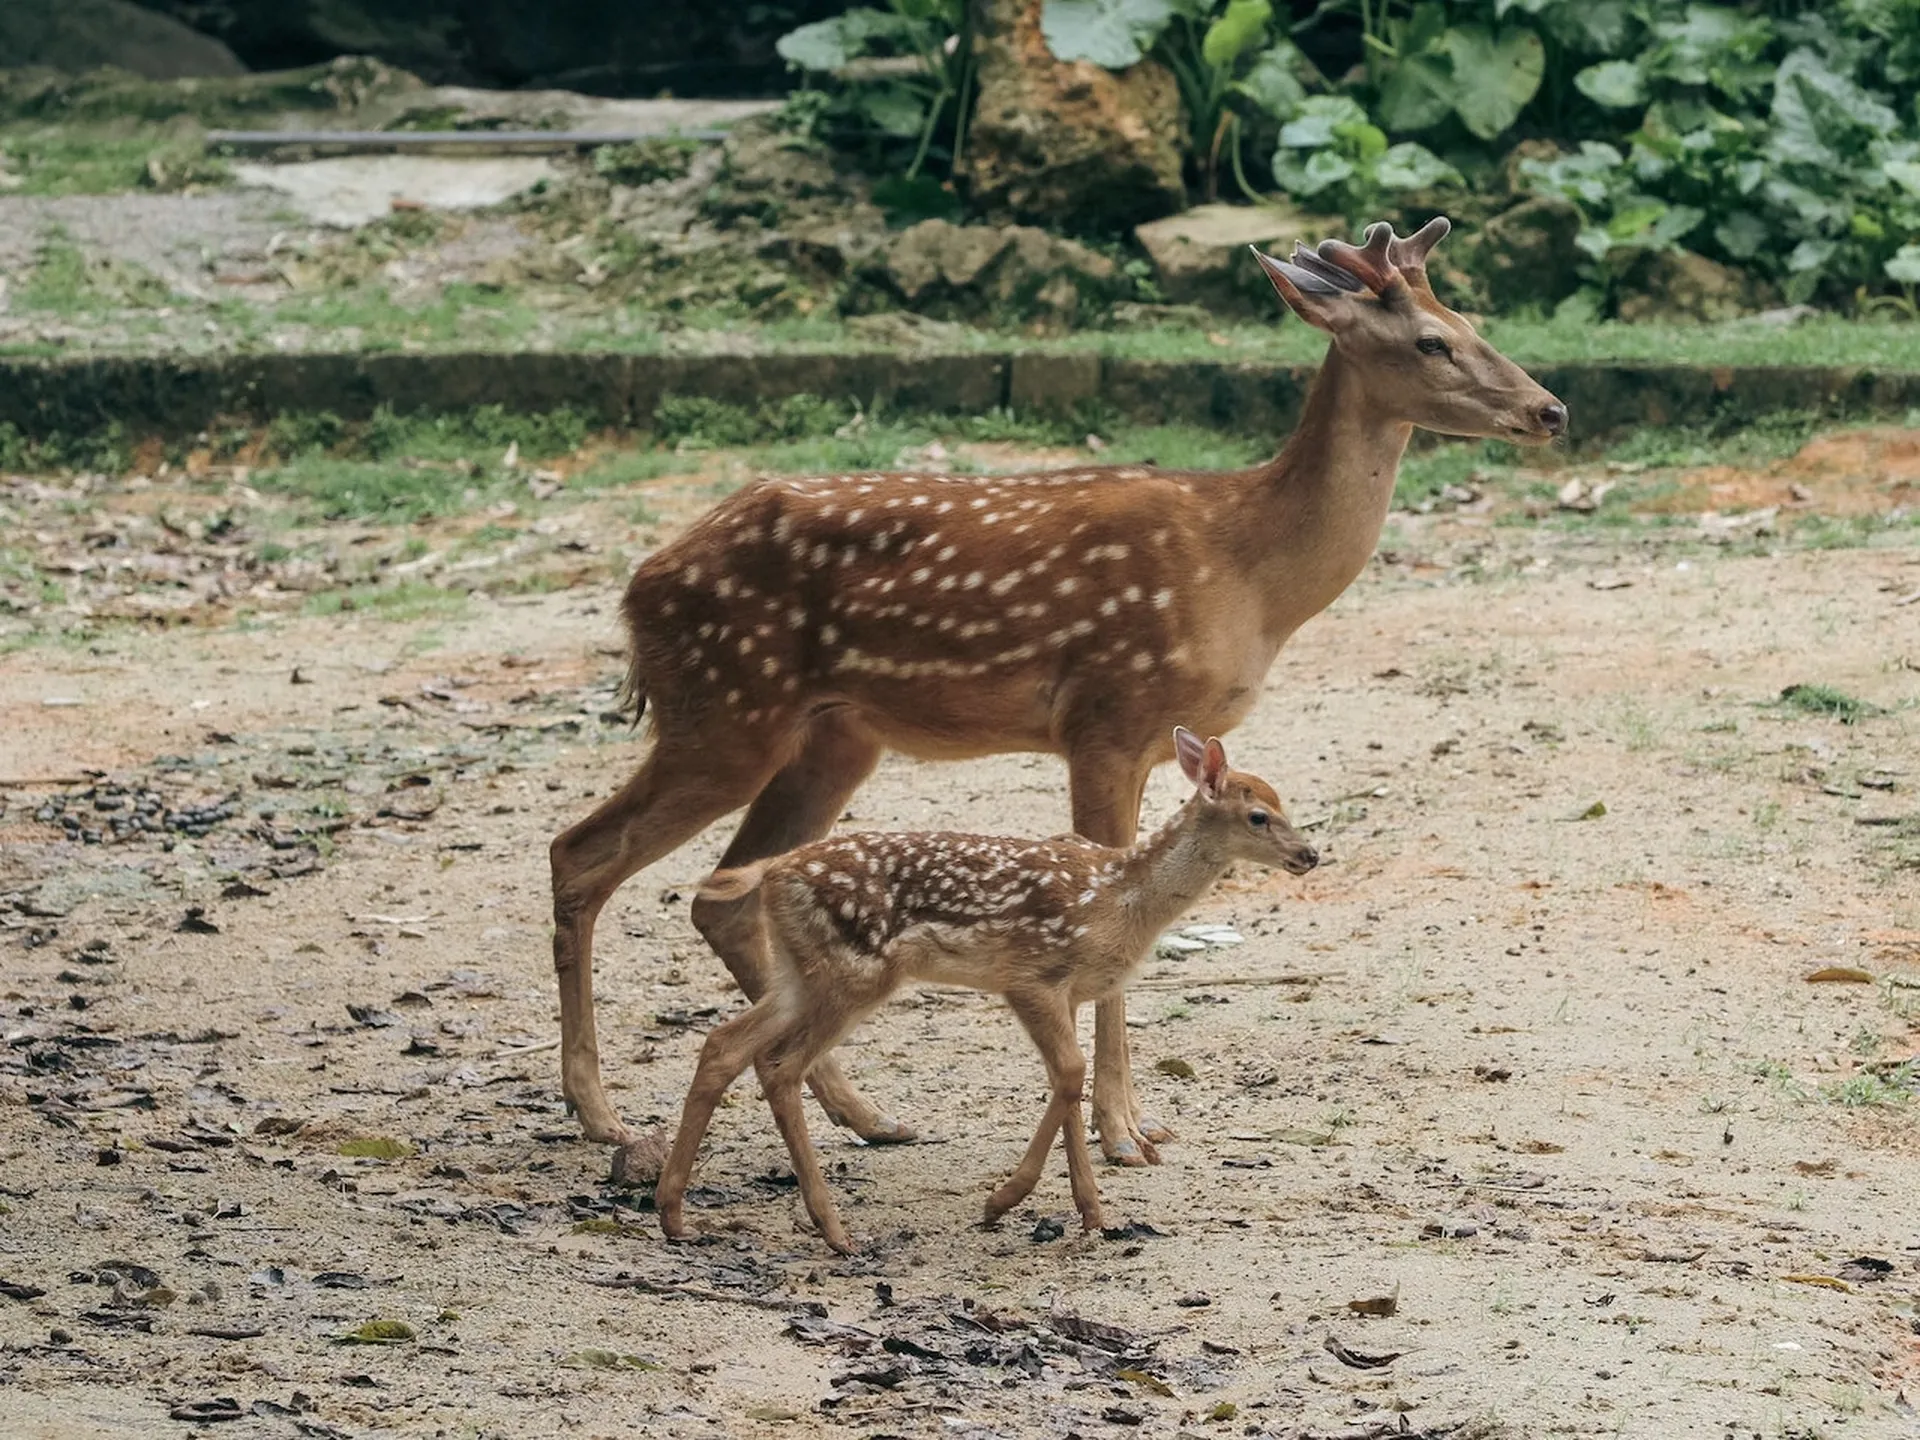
(1371, 263)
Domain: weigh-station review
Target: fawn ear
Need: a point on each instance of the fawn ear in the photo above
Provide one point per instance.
(1191, 751)
(1213, 766)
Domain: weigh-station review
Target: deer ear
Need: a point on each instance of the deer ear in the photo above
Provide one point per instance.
(1191, 753)
(1316, 296)
(1213, 766)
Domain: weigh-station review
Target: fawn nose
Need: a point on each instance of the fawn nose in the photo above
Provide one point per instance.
(1553, 416)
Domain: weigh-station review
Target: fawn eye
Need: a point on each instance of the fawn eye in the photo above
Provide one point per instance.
(1258, 819)
(1432, 345)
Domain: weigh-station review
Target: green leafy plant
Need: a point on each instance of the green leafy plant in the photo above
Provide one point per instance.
(902, 74)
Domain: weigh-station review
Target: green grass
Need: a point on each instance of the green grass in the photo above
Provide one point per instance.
(411, 600)
(1827, 701)
(65, 282)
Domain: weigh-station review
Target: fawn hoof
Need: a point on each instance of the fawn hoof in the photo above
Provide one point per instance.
(1130, 1150)
(1151, 1130)
(886, 1130)
(1093, 1220)
(639, 1160)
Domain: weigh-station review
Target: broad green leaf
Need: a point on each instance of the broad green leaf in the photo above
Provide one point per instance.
(1110, 33)
(1631, 222)
(1368, 142)
(1319, 171)
(1408, 166)
(1273, 83)
(1532, 7)
(1594, 241)
(1235, 32)
(1905, 174)
(1318, 118)
(1592, 27)
(1821, 117)
(1675, 225)
(1811, 255)
(1419, 92)
(1741, 234)
(1905, 265)
(894, 110)
(1500, 75)
(1617, 84)
(1707, 37)
(829, 44)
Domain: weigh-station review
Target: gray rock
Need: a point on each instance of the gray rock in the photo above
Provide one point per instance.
(1526, 254)
(970, 271)
(1680, 285)
(77, 35)
(1059, 142)
(1200, 256)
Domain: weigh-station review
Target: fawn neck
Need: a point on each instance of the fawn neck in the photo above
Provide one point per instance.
(1163, 875)
(1306, 523)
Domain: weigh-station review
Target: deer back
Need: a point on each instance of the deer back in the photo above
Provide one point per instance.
(954, 610)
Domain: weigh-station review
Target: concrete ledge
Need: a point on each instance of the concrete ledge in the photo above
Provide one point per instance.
(174, 396)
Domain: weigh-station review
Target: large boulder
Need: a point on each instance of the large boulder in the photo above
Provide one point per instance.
(1068, 144)
(1526, 255)
(1680, 285)
(1200, 257)
(77, 35)
(995, 271)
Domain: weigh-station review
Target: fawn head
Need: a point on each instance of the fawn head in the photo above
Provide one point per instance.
(1242, 809)
(1432, 366)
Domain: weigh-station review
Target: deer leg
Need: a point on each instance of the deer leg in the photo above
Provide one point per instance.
(1106, 789)
(781, 1068)
(669, 800)
(1049, 1020)
(728, 1050)
(799, 805)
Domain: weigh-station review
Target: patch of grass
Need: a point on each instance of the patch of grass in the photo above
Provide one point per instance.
(621, 468)
(103, 450)
(63, 281)
(1183, 447)
(397, 492)
(1745, 442)
(411, 600)
(1889, 1088)
(1826, 700)
(1430, 469)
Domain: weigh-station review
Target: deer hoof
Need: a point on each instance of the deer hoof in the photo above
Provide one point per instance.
(1152, 1130)
(639, 1160)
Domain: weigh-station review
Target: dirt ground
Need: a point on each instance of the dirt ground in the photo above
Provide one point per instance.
(1534, 1060)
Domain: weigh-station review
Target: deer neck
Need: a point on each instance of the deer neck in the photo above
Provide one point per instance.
(1164, 876)
(1307, 522)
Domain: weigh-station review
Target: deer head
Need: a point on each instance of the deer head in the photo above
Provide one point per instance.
(1241, 811)
(1423, 361)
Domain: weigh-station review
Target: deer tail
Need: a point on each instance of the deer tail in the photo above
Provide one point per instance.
(735, 883)
(633, 685)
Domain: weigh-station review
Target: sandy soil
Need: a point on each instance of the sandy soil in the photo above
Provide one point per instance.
(1560, 1087)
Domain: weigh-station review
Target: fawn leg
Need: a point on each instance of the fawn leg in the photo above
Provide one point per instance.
(1106, 786)
(781, 1068)
(728, 1050)
(1049, 1020)
(798, 805)
(671, 798)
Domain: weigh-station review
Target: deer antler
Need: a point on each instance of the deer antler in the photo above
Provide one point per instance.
(1409, 256)
(1370, 264)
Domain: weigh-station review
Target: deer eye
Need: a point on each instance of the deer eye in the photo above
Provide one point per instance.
(1257, 819)
(1432, 345)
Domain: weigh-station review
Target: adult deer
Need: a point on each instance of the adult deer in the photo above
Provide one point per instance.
(1048, 924)
(1080, 612)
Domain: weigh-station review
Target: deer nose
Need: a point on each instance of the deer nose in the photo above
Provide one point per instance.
(1309, 857)
(1553, 416)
